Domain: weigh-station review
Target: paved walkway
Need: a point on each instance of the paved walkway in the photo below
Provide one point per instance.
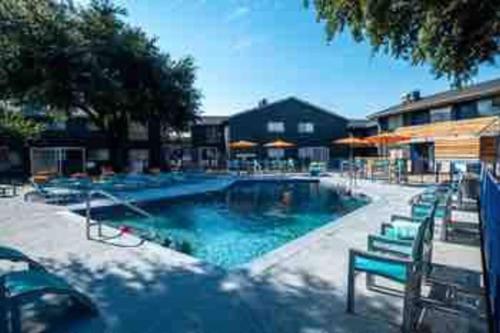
(145, 288)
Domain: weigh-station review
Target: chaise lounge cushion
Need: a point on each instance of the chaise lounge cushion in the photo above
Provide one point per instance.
(392, 270)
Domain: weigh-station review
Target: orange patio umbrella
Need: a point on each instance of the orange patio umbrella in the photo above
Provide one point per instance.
(387, 138)
(242, 144)
(279, 144)
(352, 141)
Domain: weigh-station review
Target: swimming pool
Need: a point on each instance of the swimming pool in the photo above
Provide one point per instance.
(249, 219)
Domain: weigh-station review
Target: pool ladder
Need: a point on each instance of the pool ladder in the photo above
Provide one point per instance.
(88, 210)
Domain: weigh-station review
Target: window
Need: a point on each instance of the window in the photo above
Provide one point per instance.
(58, 125)
(306, 127)
(442, 114)
(138, 131)
(465, 110)
(91, 126)
(395, 122)
(317, 154)
(98, 155)
(276, 127)
(212, 134)
(420, 118)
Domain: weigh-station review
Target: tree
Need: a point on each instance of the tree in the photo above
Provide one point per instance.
(15, 126)
(454, 36)
(87, 59)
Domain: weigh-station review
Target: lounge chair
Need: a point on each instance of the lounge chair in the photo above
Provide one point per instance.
(405, 227)
(13, 255)
(405, 270)
(22, 286)
(54, 194)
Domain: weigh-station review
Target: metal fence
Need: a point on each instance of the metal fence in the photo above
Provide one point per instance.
(490, 224)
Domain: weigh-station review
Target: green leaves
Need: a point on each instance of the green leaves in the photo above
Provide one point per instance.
(454, 36)
(88, 59)
(15, 125)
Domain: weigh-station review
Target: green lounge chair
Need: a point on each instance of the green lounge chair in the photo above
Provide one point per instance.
(18, 287)
(404, 227)
(10, 254)
(405, 270)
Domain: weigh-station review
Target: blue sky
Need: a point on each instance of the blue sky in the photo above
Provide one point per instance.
(247, 50)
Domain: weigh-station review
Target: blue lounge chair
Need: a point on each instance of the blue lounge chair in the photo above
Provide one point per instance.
(10, 254)
(405, 228)
(405, 270)
(18, 287)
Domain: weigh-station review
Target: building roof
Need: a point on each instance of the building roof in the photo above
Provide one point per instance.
(474, 92)
(288, 100)
(477, 127)
(212, 120)
(361, 123)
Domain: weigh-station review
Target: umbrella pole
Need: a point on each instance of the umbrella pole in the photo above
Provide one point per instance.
(351, 175)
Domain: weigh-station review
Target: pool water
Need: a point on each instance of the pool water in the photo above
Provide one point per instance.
(232, 227)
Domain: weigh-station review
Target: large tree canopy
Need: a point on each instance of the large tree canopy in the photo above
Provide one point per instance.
(453, 36)
(88, 59)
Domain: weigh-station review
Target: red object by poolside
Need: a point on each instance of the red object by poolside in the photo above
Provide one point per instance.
(125, 229)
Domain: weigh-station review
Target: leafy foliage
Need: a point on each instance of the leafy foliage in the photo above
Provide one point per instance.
(13, 124)
(453, 36)
(87, 59)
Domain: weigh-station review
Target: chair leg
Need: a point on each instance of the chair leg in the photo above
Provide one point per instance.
(370, 281)
(4, 326)
(15, 317)
(350, 285)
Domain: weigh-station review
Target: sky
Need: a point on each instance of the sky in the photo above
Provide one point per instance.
(247, 50)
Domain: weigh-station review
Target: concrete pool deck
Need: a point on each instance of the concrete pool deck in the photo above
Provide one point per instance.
(142, 287)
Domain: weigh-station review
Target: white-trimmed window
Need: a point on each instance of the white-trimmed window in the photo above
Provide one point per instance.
(276, 127)
(98, 155)
(305, 127)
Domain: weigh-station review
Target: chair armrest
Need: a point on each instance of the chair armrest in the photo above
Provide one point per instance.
(388, 240)
(383, 244)
(403, 218)
(464, 225)
(379, 256)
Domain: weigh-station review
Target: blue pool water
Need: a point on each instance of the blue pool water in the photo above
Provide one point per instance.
(233, 227)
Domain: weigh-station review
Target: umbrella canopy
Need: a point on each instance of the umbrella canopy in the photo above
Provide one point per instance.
(352, 141)
(279, 144)
(387, 138)
(242, 144)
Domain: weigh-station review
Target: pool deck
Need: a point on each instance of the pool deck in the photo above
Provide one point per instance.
(142, 287)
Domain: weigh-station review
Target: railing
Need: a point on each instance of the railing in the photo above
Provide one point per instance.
(490, 245)
(88, 209)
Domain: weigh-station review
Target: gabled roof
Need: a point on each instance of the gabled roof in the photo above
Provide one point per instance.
(361, 123)
(288, 100)
(212, 120)
(474, 92)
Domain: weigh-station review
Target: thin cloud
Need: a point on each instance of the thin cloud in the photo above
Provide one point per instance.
(243, 43)
(238, 13)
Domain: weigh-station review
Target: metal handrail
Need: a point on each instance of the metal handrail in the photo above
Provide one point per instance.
(117, 200)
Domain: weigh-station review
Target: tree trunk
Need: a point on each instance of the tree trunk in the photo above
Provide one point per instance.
(155, 154)
(117, 138)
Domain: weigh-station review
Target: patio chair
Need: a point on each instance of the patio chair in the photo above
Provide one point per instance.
(18, 287)
(54, 194)
(405, 227)
(13, 255)
(405, 270)
(24, 286)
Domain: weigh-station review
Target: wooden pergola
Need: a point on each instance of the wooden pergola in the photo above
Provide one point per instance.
(462, 139)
